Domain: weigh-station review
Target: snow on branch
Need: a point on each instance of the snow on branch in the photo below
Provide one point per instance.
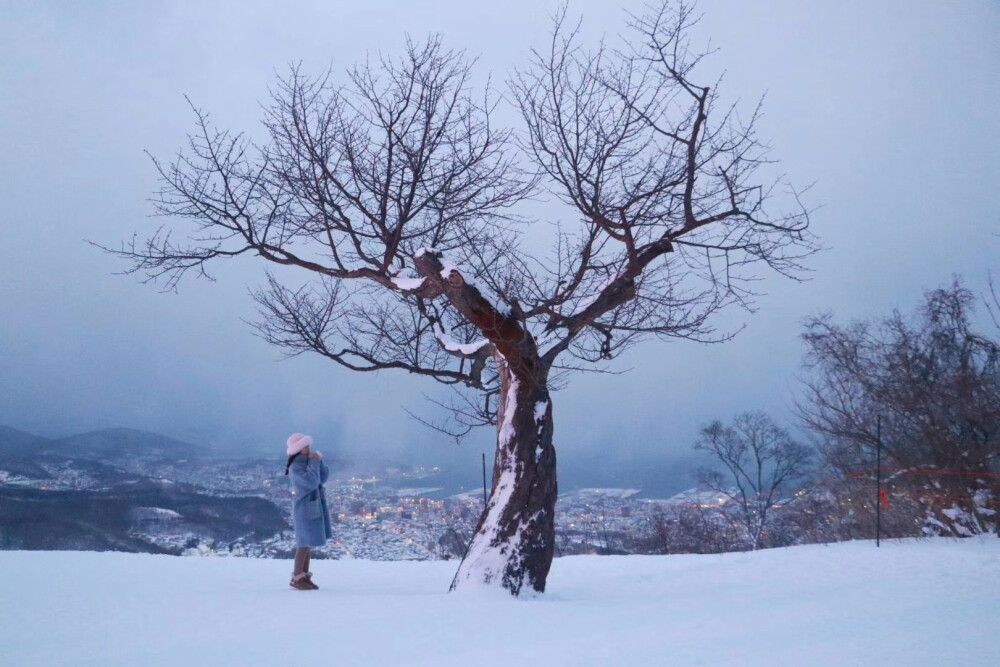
(454, 347)
(407, 284)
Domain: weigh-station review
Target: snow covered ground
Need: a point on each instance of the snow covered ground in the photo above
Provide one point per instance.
(926, 602)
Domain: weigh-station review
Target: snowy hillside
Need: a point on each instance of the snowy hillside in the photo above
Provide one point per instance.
(929, 602)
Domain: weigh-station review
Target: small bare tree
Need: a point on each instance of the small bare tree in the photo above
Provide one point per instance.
(393, 196)
(761, 461)
(452, 543)
(687, 529)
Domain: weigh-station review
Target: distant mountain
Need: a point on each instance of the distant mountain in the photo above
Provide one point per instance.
(112, 443)
(19, 443)
(103, 445)
(19, 452)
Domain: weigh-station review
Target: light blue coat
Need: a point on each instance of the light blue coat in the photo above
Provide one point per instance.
(310, 514)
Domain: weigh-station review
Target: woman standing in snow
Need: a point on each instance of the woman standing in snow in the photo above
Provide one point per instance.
(310, 515)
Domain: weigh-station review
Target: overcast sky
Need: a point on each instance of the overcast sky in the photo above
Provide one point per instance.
(892, 108)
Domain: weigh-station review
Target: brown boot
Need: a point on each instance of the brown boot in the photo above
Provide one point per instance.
(301, 582)
(310, 581)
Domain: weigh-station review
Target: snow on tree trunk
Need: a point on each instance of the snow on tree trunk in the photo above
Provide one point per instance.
(513, 543)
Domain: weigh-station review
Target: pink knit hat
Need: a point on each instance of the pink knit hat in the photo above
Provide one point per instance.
(297, 442)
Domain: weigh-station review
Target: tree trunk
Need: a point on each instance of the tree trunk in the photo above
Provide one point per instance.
(513, 543)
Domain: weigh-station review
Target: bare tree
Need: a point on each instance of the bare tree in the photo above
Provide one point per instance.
(393, 197)
(761, 461)
(933, 380)
(934, 384)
